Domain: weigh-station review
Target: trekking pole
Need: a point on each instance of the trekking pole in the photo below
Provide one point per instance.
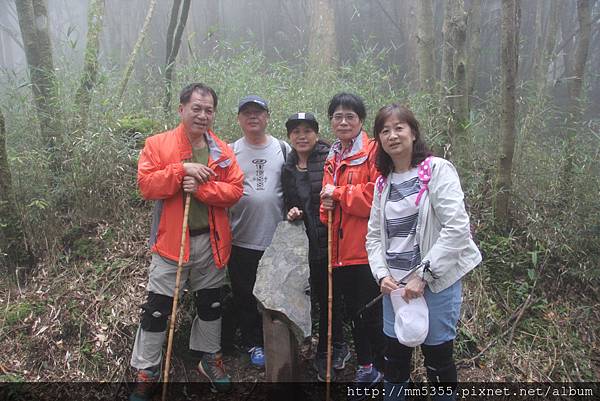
(176, 296)
(424, 264)
(329, 301)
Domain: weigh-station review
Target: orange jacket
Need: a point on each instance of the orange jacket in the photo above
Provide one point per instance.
(354, 178)
(160, 175)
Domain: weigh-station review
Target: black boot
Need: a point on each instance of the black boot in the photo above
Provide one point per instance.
(441, 370)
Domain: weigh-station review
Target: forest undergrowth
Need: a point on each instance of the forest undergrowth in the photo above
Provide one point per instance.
(530, 311)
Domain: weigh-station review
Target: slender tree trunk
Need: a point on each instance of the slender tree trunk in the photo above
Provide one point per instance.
(460, 94)
(13, 248)
(136, 49)
(174, 33)
(454, 73)
(322, 42)
(447, 75)
(548, 43)
(575, 93)
(33, 21)
(447, 72)
(425, 43)
(510, 34)
(172, 26)
(474, 40)
(90, 68)
(538, 48)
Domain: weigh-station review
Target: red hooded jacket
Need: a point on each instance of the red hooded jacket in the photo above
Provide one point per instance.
(354, 178)
(160, 176)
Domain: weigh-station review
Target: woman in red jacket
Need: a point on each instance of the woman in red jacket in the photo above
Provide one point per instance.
(348, 184)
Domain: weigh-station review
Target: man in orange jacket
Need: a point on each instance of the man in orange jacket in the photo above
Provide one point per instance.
(188, 159)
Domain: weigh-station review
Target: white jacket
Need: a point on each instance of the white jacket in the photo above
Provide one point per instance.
(443, 230)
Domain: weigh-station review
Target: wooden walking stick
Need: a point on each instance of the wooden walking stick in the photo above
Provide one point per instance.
(176, 296)
(329, 301)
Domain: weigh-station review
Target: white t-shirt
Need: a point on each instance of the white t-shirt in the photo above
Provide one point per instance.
(255, 217)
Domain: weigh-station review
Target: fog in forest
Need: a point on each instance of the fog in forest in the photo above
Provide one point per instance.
(282, 31)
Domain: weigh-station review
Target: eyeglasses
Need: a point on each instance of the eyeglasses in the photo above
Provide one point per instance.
(349, 117)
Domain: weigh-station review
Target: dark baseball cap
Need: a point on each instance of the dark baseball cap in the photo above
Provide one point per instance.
(253, 99)
(296, 119)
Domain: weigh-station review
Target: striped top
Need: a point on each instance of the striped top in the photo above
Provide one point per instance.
(401, 222)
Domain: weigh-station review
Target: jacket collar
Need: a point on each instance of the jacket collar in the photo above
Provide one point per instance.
(356, 155)
(320, 148)
(215, 153)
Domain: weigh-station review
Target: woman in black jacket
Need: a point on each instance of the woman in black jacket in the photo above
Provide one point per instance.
(302, 179)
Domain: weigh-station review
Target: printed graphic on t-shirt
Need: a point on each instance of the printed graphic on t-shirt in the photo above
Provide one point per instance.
(260, 178)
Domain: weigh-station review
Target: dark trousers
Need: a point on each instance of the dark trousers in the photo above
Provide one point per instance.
(358, 287)
(319, 287)
(242, 266)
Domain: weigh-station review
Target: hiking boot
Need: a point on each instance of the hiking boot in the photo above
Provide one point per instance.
(145, 386)
(367, 376)
(257, 356)
(341, 355)
(211, 366)
(320, 365)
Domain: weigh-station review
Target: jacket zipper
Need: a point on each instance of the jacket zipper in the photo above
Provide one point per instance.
(217, 239)
(340, 229)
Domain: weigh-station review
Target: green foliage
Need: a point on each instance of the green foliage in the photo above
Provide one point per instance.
(18, 311)
(134, 123)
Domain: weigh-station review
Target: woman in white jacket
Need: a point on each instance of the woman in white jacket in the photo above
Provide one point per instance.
(418, 214)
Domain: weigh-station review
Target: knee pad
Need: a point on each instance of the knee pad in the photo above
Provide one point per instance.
(397, 361)
(155, 313)
(439, 362)
(208, 304)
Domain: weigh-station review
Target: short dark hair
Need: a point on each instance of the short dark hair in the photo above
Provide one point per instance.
(350, 101)
(420, 151)
(186, 93)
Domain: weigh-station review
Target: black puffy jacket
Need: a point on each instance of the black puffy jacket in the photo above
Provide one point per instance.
(296, 192)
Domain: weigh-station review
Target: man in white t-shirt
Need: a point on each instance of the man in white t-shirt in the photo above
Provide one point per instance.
(255, 217)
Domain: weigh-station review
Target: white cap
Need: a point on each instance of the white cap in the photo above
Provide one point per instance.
(412, 319)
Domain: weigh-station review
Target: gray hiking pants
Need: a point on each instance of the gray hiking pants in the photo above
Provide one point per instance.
(198, 274)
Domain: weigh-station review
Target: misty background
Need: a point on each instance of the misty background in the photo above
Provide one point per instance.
(281, 30)
(507, 90)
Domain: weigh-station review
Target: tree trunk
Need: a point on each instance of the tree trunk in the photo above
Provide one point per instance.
(425, 44)
(474, 40)
(546, 49)
(460, 94)
(136, 49)
(172, 26)
(322, 43)
(90, 68)
(447, 72)
(13, 248)
(174, 33)
(575, 88)
(510, 43)
(33, 21)
(454, 79)
(538, 48)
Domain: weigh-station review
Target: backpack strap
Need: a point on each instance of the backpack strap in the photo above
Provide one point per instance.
(424, 175)
(380, 184)
(283, 150)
